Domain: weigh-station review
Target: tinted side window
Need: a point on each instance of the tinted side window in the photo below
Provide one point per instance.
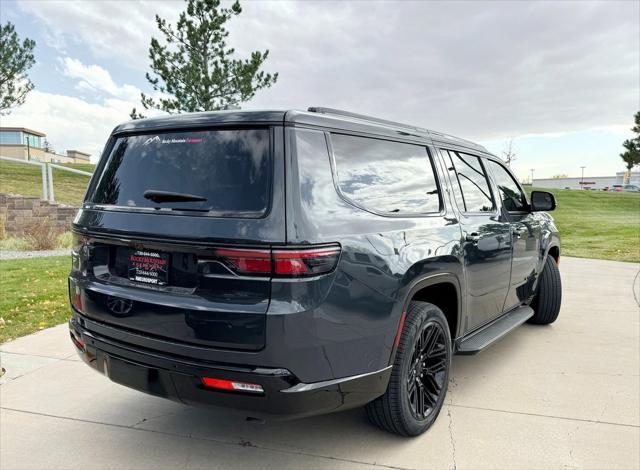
(470, 185)
(513, 199)
(387, 177)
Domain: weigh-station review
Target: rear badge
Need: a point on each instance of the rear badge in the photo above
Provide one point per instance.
(119, 307)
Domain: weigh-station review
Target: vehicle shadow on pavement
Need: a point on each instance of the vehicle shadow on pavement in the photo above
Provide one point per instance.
(343, 435)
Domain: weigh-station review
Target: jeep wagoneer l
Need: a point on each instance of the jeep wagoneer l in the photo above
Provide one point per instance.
(286, 263)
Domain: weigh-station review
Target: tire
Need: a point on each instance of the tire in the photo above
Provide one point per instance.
(397, 411)
(548, 296)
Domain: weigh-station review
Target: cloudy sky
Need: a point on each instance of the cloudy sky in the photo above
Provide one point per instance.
(562, 79)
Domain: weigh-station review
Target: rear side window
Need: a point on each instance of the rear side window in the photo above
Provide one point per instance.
(470, 185)
(229, 171)
(385, 177)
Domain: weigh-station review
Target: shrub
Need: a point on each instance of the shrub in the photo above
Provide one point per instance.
(42, 235)
(14, 244)
(65, 240)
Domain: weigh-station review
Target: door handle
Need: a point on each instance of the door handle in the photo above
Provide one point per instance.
(473, 237)
(519, 232)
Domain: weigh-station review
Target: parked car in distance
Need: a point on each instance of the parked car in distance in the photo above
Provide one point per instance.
(286, 263)
(617, 188)
(631, 188)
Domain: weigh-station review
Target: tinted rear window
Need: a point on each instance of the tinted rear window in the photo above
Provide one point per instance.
(231, 169)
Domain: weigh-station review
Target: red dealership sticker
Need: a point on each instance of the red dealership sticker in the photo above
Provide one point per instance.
(149, 267)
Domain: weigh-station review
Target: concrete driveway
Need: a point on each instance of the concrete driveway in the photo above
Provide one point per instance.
(563, 396)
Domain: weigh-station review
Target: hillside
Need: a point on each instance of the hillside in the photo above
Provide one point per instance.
(23, 179)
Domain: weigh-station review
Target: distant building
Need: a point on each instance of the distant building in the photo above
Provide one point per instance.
(27, 144)
(588, 182)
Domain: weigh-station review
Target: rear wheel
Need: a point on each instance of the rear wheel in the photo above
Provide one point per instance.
(420, 375)
(548, 297)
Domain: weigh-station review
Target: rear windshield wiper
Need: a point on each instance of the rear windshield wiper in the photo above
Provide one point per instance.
(168, 196)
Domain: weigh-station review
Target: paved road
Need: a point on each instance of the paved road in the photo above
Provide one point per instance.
(564, 396)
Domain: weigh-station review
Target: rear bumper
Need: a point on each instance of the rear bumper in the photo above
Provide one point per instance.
(179, 379)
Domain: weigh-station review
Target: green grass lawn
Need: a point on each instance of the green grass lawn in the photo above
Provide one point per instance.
(34, 295)
(23, 179)
(597, 224)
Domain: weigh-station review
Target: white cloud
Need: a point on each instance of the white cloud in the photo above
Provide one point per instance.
(72, 122)
(110, 29)
(69, 122)
(96, 79)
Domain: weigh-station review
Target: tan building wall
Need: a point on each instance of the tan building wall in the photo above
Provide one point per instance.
(21, 152)
(13, 151)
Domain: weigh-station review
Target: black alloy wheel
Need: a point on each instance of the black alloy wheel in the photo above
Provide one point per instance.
(420, 375)
(427, 370)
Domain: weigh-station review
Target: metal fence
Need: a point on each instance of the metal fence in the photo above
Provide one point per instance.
(47, 174)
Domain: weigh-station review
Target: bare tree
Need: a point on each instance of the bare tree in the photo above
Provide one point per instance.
(48, 147)
(508, 154)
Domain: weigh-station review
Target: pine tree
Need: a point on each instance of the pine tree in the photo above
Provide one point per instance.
(195, 70)
(631, 156)
(15, 60)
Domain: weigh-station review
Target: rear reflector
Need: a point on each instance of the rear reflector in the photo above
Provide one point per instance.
(231, 385)
(297, 262)
(400, 328)
(77, 342)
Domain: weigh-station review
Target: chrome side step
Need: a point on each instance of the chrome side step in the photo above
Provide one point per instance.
(488, 334)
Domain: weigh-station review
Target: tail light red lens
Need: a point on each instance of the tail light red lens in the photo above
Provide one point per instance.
(246, 261)
(299, 262)
(231, 385)
(307, 262)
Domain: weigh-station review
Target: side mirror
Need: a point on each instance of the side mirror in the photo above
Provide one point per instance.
(542, 201)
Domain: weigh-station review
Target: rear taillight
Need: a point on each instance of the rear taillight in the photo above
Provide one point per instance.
(77, 299)
(246, 261)
(231, 385)
(299, 262)
(79, 248)
(307, 262)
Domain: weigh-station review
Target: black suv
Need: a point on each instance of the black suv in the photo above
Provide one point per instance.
(287, 263)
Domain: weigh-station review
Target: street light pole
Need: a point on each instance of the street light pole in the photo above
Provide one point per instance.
(582, 177)
(532, 176)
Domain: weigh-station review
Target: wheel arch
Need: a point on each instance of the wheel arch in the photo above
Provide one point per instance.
(441, 289)
(554, 251)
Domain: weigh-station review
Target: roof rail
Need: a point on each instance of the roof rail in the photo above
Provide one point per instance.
(441, 136)
(432, 134)
(339, 112)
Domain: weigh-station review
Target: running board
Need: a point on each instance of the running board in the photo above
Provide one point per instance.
(480, 339)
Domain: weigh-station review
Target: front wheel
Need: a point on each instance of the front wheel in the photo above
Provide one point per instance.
(420, 374)
(548, 297)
